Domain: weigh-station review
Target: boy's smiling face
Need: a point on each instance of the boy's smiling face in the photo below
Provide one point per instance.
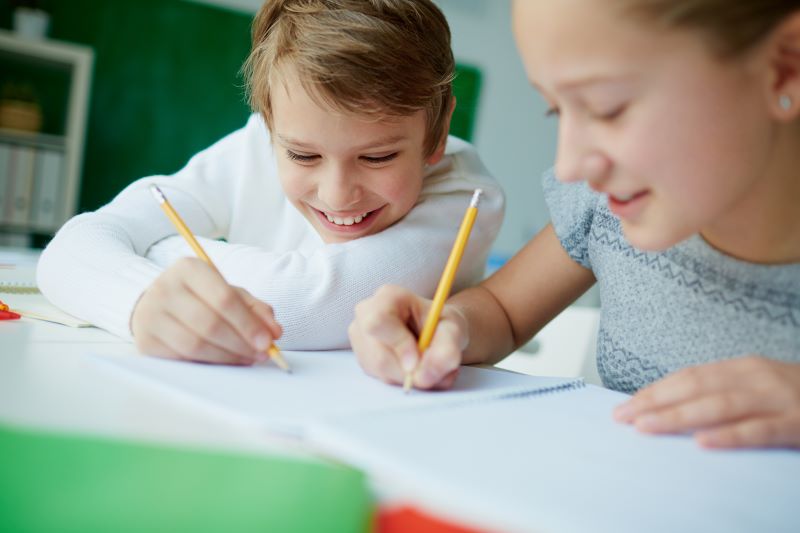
(350, 177)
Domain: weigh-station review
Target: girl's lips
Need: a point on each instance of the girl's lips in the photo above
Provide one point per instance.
(630, 207)
(355, 228)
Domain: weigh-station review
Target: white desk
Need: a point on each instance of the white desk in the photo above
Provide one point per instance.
(49, 380)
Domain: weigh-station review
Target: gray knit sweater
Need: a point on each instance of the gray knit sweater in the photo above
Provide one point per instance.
(688, 305)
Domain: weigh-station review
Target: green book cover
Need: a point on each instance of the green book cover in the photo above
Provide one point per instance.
(51, 482)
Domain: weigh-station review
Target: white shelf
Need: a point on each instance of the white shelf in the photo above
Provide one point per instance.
(77, 60)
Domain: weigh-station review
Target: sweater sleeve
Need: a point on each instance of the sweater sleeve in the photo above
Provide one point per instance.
(314, 294)
(572, 207)
(95, 267)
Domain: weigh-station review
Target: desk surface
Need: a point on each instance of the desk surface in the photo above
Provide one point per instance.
(48, 381)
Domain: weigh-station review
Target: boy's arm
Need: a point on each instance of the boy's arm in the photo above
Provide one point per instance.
(95, 267)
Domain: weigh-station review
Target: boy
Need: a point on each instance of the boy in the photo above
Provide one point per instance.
(344, 180)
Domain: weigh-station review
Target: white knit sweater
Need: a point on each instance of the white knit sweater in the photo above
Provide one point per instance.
(100, 263)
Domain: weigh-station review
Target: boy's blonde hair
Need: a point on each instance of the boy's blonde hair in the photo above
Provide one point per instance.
(373, 58)
(732, 26)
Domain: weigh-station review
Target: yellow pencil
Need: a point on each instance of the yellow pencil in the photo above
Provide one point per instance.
(446, 281)
(272, 351)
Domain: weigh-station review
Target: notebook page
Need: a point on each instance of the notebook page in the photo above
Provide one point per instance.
(321, 385)
(17, 278)
(558, 462)
(36, 306)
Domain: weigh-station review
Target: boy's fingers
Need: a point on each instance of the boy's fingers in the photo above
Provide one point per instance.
(207, 323)
(185, 344)
(209, 286)
(264, 312)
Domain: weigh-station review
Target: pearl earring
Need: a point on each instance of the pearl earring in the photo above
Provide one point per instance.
(785, 102)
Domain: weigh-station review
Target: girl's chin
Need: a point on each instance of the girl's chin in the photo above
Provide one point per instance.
(651, 239)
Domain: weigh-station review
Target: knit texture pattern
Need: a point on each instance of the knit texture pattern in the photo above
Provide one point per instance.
(688, 305)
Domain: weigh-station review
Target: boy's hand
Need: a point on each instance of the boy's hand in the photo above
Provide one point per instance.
(745, 402)
(190, 312)
(383, 336)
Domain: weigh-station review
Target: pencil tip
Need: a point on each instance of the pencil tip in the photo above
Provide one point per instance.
(407, 383)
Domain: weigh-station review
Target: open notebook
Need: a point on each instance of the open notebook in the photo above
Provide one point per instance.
(501, 450)
(322, 385)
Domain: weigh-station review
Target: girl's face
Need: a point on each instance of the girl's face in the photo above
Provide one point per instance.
(676, 138)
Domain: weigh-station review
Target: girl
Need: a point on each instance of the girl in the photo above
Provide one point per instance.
(677, 192)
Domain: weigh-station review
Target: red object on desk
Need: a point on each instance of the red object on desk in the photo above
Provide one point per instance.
(6, 313)
(405, 519)
(9, 315)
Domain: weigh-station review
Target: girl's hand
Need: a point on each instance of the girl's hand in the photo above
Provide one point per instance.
(190, 312)
(384, 338)
(745, 402)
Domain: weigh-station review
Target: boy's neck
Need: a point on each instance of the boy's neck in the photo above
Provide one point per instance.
(765, 226)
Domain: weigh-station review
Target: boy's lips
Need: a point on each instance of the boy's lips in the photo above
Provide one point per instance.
(350, 223)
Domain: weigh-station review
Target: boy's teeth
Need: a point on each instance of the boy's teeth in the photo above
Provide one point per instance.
(347, 221)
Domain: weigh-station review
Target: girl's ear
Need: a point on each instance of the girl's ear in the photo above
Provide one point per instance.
(438, 154)
(783, 92)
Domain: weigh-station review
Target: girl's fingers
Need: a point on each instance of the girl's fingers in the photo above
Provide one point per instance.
(385, 318)
(705, 411)
(683, 385)
(767, 431)
(376, 359)
(441, 359)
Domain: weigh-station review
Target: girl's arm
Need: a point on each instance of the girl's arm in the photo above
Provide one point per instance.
(480, 325)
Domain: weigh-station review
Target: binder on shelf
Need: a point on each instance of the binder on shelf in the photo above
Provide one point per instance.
(5, 161)
(45, 205)
(20, 185)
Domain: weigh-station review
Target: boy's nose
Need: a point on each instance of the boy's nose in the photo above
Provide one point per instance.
(339, 190)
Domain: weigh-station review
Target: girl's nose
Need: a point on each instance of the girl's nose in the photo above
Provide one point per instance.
(577, 159)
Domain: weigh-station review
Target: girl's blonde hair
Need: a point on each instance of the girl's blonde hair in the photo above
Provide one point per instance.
(373, 58)
(732, 26)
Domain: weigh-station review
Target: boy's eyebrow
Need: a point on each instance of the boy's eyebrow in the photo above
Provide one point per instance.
(382, 141)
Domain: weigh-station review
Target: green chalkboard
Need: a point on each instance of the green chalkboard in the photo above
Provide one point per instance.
(166, 84)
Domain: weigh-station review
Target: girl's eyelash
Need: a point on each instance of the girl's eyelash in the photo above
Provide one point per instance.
(382, 159)
(294, 156)
(613, 114)
(552, 112)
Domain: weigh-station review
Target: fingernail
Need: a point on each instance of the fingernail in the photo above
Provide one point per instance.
(261, 342)
(648, 422)
(424, 377)
(624, 412)
(408, 361)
